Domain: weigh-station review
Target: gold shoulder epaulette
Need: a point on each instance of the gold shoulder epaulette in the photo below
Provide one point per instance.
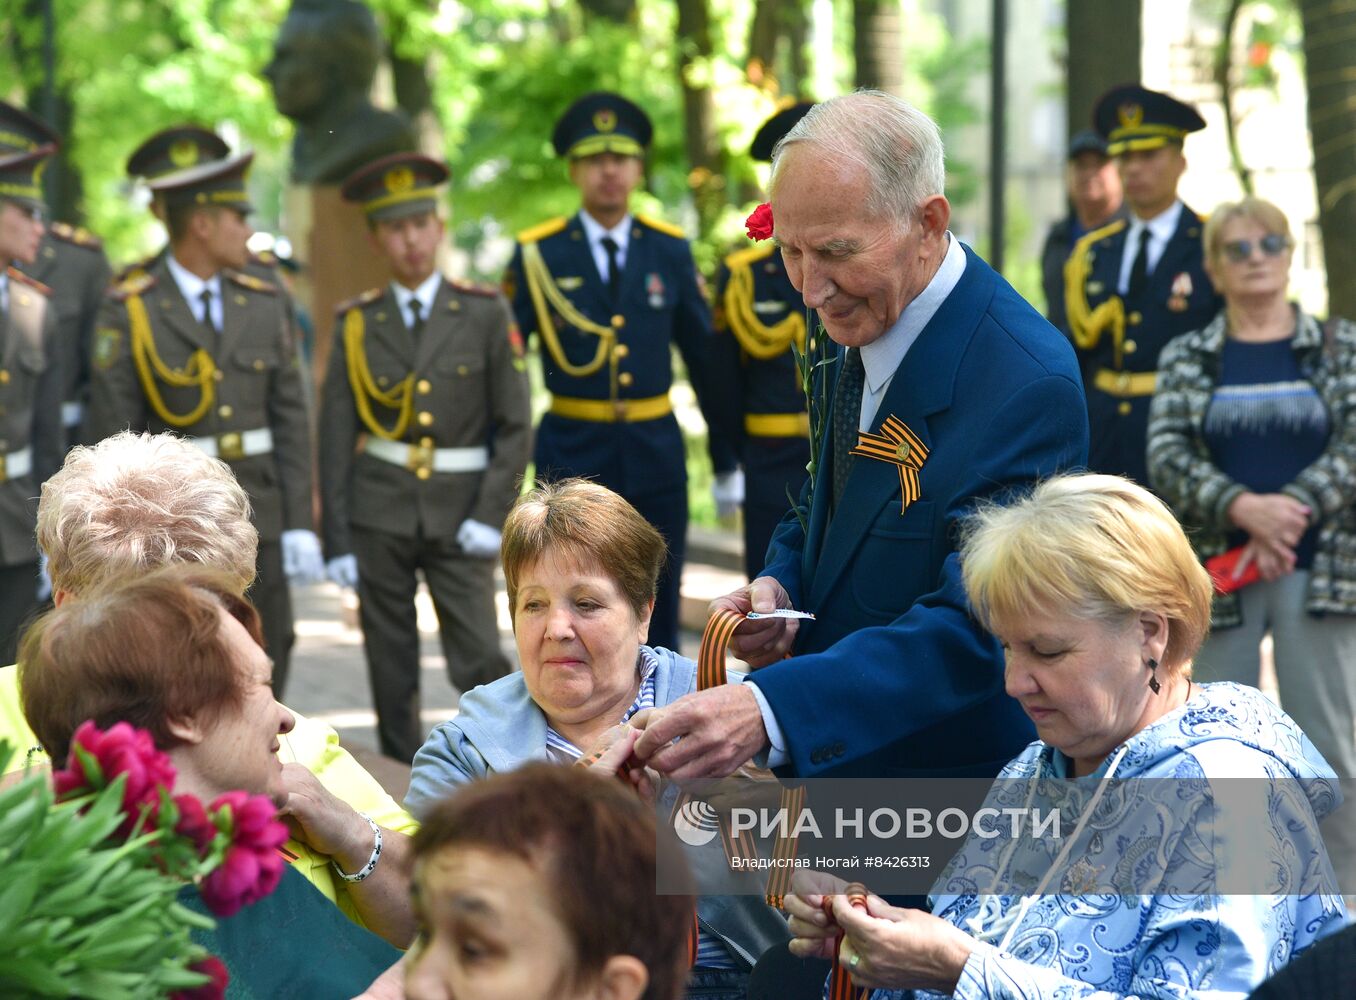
(78, 235)
(359, 300)
(472, 288)
(663, 227)
(1110, 229)
(750, 255)
(543, 229)
(134, 282)
(264, 258)
(131, 270)
(16, 275)
(252, 283)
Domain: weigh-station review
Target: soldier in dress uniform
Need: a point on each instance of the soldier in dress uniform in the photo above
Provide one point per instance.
(425, 433)
(1134, 284)
(30, 373)
(194, 345)
(758, 316)
(607, 293)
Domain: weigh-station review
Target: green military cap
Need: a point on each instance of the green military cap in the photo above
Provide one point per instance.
(602, 122)
(26, 144)
(216, 182)
(775, 128)
(1132, 118)
(396, 186)
(176, 148)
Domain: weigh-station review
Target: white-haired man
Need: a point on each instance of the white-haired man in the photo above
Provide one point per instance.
(134, 502)
(956, 390)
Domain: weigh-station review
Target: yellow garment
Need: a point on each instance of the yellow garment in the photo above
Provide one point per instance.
(311, 744)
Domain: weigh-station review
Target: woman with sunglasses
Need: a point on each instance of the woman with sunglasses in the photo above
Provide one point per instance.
(1252, 440)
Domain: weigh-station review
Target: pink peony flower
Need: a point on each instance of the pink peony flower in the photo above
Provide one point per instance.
(121, 750)
(759, 223)
(252, 866)
(194, 823)
(214, 988)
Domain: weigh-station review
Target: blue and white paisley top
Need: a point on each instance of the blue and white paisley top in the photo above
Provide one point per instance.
(1187, 945)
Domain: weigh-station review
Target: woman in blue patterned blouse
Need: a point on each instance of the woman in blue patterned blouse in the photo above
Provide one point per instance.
(1189, 887)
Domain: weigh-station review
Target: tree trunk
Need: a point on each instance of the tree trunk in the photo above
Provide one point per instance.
(777, 36)
(878, 45)
(1329, 37)
(1224, 64)
(62, 184)
(1104, 40)
(707, 177)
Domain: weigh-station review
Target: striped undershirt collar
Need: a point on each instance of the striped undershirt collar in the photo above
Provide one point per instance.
(559, 747)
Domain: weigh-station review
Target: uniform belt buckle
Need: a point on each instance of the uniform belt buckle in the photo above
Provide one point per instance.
(619, 410)
(420, 460)
(230, 446)
(4, 468)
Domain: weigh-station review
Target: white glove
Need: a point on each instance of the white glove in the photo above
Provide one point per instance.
(302, 561)
(343, 570)
(728, 490)
(44, 590)
(478, 540)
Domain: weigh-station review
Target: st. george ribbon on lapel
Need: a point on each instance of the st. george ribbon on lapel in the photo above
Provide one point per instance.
(900, 447)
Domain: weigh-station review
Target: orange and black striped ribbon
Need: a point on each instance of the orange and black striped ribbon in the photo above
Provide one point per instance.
(840, 979)
(900, 447)
(710, 674)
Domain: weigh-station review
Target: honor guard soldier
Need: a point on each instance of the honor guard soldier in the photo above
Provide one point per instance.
(1136, 283)
(758, 316)
(71, 262)
(31, 438)
(425, 434)
(192, 344)
(607, 294)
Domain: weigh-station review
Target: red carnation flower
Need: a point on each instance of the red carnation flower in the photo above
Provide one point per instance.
(214, 988)
(121, 750)
(759, 223)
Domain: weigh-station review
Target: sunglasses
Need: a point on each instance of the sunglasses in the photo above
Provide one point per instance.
(1272, 245)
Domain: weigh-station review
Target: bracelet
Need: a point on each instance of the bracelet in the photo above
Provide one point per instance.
(371, 865)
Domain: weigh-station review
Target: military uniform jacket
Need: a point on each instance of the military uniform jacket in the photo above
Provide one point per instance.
(30, 410)
(71, 262)
(1124, 337)
(251, 379)
(753, 376)
(468, 388)
(659, 304)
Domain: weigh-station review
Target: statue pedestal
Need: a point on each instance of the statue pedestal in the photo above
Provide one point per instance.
(330, 237)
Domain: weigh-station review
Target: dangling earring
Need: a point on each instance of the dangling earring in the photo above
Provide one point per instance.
(1154, 686)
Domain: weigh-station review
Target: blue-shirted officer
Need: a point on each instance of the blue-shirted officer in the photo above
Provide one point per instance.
(607, 292)
(1136, 283)
(758, 316)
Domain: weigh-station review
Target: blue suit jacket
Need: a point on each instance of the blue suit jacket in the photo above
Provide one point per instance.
(1119, 425)
(895, 677)
(661, 305)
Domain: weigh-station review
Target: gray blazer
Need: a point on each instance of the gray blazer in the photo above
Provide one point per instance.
(499, 727)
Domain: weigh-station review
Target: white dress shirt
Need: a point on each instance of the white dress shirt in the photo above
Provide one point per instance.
(620, 233)
(425, 293)
(191, 288)
(1161, 227)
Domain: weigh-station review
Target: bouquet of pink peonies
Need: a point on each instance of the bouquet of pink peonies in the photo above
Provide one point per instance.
(95, 862)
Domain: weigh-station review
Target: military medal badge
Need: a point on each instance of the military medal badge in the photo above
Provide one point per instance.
(1181, 292)
(654, 288)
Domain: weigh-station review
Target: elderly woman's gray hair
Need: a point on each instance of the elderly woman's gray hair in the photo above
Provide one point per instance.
(897, 145)
(135, 502)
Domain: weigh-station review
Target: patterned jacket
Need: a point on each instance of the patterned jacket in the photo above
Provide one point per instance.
(1182, 471)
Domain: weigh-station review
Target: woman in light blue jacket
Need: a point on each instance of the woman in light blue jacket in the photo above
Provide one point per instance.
(1183, 886)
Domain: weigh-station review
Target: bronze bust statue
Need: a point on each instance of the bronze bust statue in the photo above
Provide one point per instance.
(324, 59)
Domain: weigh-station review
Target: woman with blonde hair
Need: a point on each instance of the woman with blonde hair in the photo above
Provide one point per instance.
(1100, 605)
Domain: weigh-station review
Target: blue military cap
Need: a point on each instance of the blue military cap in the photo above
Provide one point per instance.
(1086, 140)
(396, 186)
(602, 122)
(776, 127)
(25, 146)
(176, 148)
(1132, 118)
(215, 182)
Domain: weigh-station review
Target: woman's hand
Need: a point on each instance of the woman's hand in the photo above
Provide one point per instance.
(894, 948)
(813, 934)
(1273, 519)
(1273, 561)
(323, 821)
(614, 753)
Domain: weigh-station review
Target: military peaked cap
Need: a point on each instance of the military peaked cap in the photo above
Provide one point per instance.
(396, 186)
(1132, 118)
(602, 122)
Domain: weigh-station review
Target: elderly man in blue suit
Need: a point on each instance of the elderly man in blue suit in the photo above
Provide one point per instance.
(952, 390)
